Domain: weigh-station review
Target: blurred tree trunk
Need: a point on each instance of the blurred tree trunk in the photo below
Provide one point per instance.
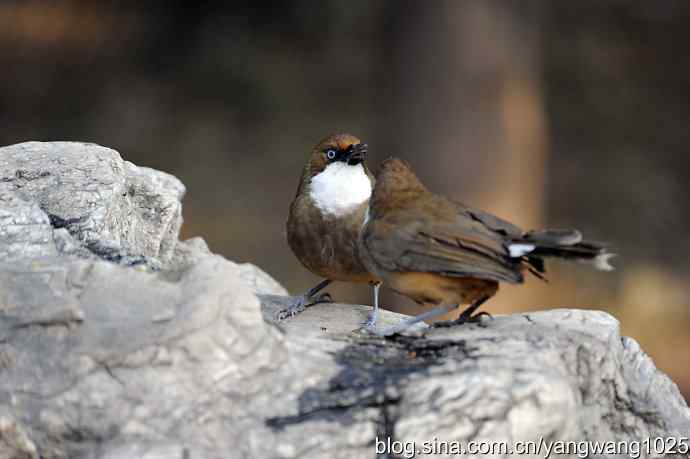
(470, 108)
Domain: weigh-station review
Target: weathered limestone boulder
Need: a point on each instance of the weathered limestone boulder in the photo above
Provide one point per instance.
(118, 341)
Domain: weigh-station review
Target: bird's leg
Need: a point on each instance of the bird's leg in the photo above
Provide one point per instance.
(301, 302)
(407, 323)
(466, 315)
(370, 323)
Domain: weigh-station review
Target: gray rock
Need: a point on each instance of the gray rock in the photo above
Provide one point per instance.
(25, 230)
(260, 281)
(109, 361)
(111, 206)
(192, 251)
(14, 442)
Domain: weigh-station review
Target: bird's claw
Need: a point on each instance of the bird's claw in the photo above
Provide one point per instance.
(478, 317)
(322, 298)
(475, 318)
(291, 311)
(370, 323)
(301, 303)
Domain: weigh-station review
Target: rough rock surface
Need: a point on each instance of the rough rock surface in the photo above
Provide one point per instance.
(111, 206)
(173, 356)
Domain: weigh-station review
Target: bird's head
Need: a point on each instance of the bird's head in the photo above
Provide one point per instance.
(334, 149)
(336, 176)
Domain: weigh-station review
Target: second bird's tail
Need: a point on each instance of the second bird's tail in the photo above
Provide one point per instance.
(567, 244)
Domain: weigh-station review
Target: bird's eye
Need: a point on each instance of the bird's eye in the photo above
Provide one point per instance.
(331, 154)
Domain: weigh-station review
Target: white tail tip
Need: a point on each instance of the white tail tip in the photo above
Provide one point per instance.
(601, 262)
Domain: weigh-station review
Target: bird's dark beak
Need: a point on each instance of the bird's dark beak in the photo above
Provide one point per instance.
(356, 154)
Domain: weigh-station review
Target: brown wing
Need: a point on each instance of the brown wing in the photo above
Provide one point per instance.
(492, 222)
(445, 239)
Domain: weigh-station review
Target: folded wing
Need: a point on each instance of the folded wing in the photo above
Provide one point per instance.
(453, 242)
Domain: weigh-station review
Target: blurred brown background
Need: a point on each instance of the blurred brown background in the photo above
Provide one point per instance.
(545, 112)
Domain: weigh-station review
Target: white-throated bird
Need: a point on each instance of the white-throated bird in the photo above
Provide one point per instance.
(326, 217)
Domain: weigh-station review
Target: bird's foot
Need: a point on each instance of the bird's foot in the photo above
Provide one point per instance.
(302, 302)
(467, 315)
(477, 318)
(370, 324)
(463, 319)
(371, 320)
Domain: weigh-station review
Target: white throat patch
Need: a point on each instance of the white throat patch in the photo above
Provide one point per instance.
(340, 188)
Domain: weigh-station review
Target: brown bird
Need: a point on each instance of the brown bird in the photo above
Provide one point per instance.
(442, 254)
(326, 217)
